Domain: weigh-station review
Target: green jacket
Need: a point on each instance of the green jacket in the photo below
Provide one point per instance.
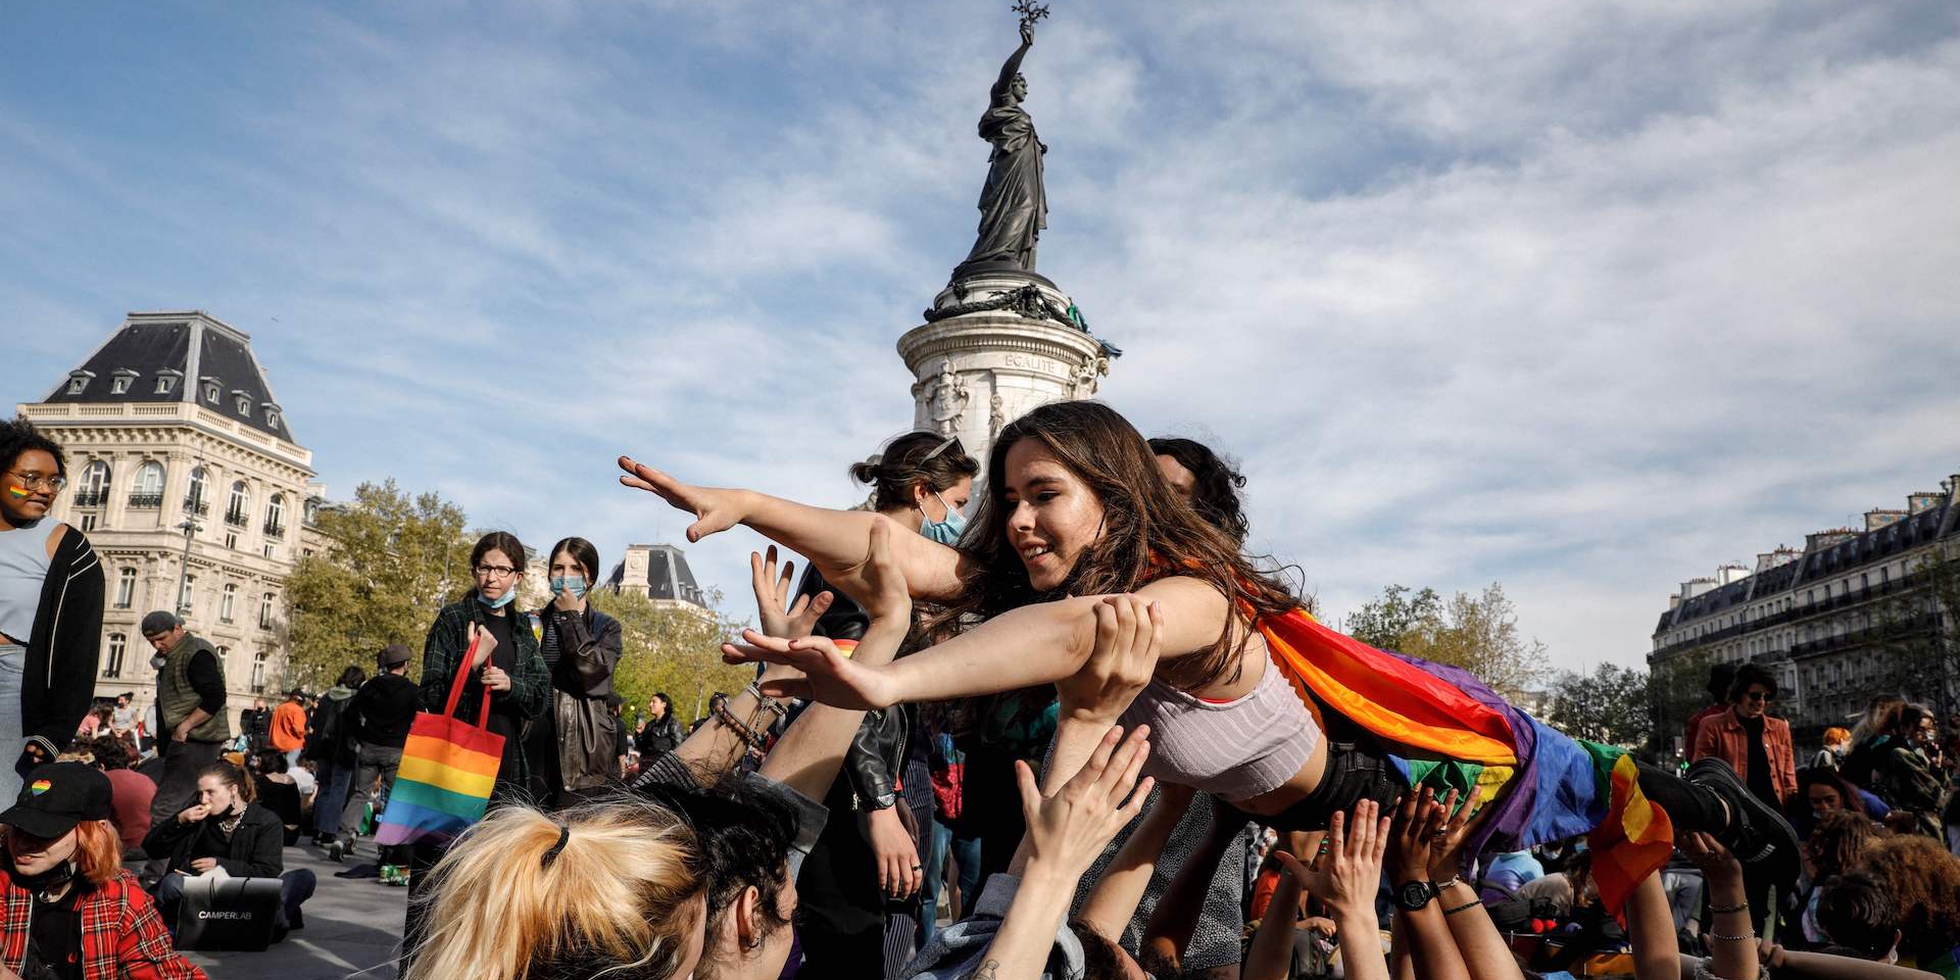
(530, 683)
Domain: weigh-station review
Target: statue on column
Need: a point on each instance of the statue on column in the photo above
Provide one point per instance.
(1013, 204)
(946, 400)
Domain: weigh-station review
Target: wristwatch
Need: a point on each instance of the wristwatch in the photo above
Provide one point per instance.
(1412, 896)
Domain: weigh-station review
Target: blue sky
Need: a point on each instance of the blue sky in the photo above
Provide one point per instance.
(1581, 299)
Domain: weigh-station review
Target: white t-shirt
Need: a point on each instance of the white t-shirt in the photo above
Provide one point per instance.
(304, 780)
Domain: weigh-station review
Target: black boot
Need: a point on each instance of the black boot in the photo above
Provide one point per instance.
(1757, 835)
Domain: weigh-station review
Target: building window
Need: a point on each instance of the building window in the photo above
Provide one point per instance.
(94, 488)
(148, 491)
(212, 389)
(88, 523)
(118, 648)
(225, 603)
(166, 382)
(268, 551)
(258, 672)
(275, 516)
(244, 405)
(119, 385)
(272, 415)
(198, 500)
(185, 594)
(77, 382)
(238, 509)
(231, 540)
(126, 588)
(265, 611)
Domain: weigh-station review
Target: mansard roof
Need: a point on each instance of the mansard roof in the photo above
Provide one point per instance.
(187, 356)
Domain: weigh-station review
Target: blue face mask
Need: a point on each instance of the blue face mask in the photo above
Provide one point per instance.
(502, 600)
(947, 531)
(575, 584)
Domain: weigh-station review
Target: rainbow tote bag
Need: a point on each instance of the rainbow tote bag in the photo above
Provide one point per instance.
(448, 767)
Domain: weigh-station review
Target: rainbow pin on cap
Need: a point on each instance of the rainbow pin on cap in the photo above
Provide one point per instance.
(56, 797)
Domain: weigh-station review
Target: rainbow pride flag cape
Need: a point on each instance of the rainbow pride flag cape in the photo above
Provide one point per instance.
(448, 768)
(1447, 729)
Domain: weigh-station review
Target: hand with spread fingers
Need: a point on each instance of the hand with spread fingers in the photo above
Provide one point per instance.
(714, 509)
(1347, 870)
(1446, 852)
(1129, 632)
(775, 612)
(828, 676)
(1418, 823)
(1068, 830)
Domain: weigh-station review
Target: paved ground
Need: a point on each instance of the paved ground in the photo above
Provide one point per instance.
(352, 927)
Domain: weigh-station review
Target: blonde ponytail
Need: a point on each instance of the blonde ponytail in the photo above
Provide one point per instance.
(619, 897)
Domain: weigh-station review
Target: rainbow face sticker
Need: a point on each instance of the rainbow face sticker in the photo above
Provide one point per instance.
(39, 786)
(18, 493)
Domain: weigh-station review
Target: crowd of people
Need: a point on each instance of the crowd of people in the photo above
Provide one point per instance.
(1082, 734)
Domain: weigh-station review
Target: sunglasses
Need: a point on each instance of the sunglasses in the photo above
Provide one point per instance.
(1760, 696)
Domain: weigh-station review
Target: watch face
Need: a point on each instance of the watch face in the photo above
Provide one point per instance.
(1413, 896)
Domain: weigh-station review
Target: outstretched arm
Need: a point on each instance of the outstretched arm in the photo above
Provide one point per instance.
(1025, 647)
(1013, 65)
(836, 541)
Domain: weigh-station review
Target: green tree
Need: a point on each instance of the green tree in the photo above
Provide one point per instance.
(1917, 656)
(1676, 688)
(1609, 705)
(671, 649)
(390, 564)
(1476, 632)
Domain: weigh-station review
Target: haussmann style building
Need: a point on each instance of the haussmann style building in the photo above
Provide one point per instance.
(1855, 613)
(197, 496)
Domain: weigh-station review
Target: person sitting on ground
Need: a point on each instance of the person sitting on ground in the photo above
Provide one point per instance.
(277, 789)
(71, 910)
(227, 831)
(130, 804)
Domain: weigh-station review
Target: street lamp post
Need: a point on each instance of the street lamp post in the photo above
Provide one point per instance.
(190, 527)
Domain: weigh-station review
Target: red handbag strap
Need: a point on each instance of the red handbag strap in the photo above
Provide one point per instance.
(456, 686)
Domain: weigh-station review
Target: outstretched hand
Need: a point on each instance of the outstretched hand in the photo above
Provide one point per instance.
(1067, 831)
(828, 675)
(1418, 827)
(1446, 855)
(714, 509)
(772, 592)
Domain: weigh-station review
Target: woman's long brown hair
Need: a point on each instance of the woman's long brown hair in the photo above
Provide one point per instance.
(1149, 532)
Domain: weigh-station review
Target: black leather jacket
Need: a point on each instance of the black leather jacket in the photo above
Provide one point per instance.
(585, 728)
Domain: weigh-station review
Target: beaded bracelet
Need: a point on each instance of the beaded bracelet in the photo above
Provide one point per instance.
(766, 701)
(1747, 937)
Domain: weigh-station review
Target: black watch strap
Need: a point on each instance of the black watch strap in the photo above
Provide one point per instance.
(1413, 895)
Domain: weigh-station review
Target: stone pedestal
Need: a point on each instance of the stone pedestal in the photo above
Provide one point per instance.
(994, 346)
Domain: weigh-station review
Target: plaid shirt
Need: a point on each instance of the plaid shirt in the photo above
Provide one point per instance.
(530, 682)
(122, 936)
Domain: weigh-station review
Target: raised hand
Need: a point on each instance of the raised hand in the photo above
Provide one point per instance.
(1128, 642)
(1418, 822)
(1446, 854)
(1348, 870)
(772, 590)
(1067, 831)
(714, 509)
(1708, 854)
(828, 675)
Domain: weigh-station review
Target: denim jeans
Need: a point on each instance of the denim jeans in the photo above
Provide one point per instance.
(334, 783)
(13, 663)
(373, 763)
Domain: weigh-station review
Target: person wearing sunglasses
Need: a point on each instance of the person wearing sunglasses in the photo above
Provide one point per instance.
(507, 667)
(1758, 747)
(51, 586)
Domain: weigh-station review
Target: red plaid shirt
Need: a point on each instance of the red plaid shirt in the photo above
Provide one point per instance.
(123, 938)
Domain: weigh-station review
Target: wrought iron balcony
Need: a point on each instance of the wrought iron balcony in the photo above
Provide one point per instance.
(146, 501)
(197, 505)
(91, 498)
(237, 518)
(274, 529)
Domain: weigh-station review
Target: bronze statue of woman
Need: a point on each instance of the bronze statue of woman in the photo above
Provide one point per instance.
(1013, 205)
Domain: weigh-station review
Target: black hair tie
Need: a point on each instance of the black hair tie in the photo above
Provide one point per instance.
(564, 834)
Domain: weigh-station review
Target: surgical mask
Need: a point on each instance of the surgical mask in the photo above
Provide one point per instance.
(575, 584)
(947, 531)
(499, 602)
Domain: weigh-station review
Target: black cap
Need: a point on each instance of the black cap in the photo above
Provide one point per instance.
(160, 621)
(57, 796)
(395, 654)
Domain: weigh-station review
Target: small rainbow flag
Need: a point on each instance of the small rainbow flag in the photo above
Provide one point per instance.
(448, 768)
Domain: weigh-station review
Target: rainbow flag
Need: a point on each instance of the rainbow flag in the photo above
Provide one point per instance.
(1447, 729)
(448, 768)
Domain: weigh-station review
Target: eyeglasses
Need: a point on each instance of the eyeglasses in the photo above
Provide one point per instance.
(495, 571)
(53, 484)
